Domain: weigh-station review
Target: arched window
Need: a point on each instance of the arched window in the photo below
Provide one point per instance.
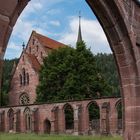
(27, 78)
(37, 48)
(11, 119)
(69, 117)
(24, 76)
(20, 77)
(28, 122)
(33, 41)
(94, 117)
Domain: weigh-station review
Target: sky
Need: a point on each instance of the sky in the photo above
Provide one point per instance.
(57, 19)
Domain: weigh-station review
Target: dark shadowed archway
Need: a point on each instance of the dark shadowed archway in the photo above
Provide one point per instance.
(119, 116)
(120, 20)
(94, 118)
(47, 126)
(11, 120)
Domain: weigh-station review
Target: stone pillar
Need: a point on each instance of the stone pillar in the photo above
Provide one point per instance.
(15, 122)
(104, 126)
(84, 119)
(53, 120)
(61, 120)
(32, 121)
(22, 123)
(18, 121)
(6, 122)
(35, 120)
(76, 120)
(113, 120)
(52, 126)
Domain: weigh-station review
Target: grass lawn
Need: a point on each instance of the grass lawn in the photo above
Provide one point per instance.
(52, 137)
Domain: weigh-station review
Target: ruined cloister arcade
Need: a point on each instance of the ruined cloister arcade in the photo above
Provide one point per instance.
(59, 118)
(120, 20)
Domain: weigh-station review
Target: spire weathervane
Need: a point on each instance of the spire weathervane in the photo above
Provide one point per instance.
(79, 39)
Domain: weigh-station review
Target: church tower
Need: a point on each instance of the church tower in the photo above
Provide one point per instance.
(79, 39)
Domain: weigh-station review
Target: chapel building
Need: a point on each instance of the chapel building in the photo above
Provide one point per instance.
(67, 117)
(26, 74)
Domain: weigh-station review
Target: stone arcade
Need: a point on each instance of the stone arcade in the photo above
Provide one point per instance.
(22, 115)
(120, 20)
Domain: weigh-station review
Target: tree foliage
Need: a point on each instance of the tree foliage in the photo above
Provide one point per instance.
(7, 69)
(71, 74)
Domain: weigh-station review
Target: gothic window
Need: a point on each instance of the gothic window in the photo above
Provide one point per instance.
(24, 99)
(37, 48)
(27, 78)
(24, 76)
(27, 114)
(11, 119)
(20, 77)
(33, 41)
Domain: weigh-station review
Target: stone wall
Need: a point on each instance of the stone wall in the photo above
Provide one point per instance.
(39, 114)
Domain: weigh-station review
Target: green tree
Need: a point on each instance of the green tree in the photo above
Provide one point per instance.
(70, 74)
(7, 69)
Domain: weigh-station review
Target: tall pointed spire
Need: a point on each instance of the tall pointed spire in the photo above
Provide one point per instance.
(79, 39)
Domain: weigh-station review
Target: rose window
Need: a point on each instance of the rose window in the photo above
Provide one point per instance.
(24, 99)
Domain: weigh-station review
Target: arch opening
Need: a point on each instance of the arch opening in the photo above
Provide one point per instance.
(28, 120)
(69, 117)
(94, 117)
(11, 120)
(47, 126)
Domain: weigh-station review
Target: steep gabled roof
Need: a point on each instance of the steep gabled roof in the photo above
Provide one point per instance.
(48, 42)
(35, 64)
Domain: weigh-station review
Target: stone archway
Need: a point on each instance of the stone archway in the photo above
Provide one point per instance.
(120, 20)
(10, 115)
(93, 117)
(121, 23)
(118, 107)
(47, 126)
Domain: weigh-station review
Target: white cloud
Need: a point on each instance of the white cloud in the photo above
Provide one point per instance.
(53, 11)
(92, 34)
(55, 23)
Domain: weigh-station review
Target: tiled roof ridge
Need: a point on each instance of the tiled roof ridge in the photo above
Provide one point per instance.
(48, 42)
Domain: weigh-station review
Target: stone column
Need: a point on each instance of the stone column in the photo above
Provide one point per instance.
(32, 120)
(22, 124)
(113, 119)
(76, 120)
(15, 122)
(104, 126)
(84, 120)
(61, 120)
(53, 120)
